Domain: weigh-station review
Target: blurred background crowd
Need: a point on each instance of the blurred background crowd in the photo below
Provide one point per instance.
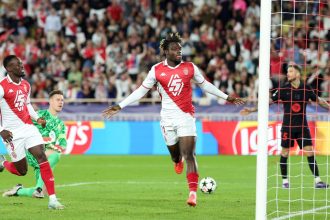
(104, 49)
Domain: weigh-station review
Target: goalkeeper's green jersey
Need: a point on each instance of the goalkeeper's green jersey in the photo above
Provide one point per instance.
(53, 134)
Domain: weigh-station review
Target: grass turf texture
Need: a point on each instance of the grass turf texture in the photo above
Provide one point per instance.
(146, 187)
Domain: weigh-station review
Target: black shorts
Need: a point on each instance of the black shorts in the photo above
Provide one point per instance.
(303, 138)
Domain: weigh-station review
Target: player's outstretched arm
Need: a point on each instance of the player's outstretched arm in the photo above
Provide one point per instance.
(236, 101)
(247, 111)
(210, 88)
(323, 103)
(110, 111)
(135, 96)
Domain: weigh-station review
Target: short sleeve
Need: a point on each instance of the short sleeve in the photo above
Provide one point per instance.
(198, 76)
(150, 80)
(2, 92)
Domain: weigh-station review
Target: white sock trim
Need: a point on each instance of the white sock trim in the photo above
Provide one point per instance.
(52, 197)
(192, 192)
(317, 179)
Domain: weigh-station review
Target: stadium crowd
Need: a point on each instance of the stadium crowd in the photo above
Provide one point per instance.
(104, 49)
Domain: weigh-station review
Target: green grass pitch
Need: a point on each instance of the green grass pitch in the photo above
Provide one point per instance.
(146, 187)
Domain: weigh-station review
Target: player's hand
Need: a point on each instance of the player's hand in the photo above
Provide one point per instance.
(42, 122)
(6, 135)
(236, 101)
(246, 111)
(110, 111)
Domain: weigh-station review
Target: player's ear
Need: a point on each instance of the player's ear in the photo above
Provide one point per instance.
(8, 67)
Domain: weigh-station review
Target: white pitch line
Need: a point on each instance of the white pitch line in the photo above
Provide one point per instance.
(301, 213)
(110, 182)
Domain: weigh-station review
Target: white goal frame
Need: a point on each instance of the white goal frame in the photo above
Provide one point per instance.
(263, 107)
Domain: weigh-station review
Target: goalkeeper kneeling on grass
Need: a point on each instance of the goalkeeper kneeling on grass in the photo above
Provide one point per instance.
(55, 143)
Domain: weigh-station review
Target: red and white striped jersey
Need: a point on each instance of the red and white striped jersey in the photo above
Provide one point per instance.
(14, 101)
(174, 86)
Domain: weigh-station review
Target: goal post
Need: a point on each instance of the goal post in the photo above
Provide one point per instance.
(296, 187)
(263, 107)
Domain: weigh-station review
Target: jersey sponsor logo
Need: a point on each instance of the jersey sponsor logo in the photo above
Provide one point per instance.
(175, 85)
(295, 107)
(19, 100)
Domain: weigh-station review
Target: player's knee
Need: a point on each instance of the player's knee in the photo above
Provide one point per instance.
(308, 150)
(22, 172)
(190, 157)
(285, 152)
(41, 157)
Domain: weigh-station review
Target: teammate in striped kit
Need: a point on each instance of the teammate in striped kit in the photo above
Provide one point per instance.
(173, 78)
(17, 129)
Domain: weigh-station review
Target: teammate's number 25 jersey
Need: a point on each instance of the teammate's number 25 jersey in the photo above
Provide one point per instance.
(14, 99)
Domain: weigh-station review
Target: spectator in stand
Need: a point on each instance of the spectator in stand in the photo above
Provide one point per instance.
(53, 26)
(222, 37)
(86, 91)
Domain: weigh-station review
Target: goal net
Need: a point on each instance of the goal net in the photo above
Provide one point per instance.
(300, 33)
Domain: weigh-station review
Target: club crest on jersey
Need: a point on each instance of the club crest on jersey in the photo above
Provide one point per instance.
(175, 85)
(163, 74)
(185, 71)
(19, 100)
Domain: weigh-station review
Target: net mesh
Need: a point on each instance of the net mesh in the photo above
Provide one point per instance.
(301, 34)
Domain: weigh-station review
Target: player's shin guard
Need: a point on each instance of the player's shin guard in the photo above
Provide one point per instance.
(47, 176)
(284, 167)
(313, 166)
(192, 179)
(53, 160)
(11, 168)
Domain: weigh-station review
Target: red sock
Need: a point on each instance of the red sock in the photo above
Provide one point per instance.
(11, 167)
(47, 176)
(192, 179)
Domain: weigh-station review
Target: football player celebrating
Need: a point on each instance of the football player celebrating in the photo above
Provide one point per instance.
(173, 79)
(55, 143)
(17, 129)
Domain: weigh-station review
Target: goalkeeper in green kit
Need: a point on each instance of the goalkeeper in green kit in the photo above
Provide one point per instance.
(55, 143)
